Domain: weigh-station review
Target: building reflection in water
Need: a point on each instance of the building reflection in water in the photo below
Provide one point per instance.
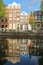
(12, 48)
(3, 48)
(36, 48)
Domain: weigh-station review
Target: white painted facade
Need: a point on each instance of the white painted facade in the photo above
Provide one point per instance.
(24, 20)
(29, 27)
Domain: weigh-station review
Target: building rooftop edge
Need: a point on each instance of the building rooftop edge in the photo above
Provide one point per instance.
(13, 4)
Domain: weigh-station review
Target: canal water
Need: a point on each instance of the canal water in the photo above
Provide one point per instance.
(21, 51)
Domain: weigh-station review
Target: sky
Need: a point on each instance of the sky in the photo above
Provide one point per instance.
(26, 5)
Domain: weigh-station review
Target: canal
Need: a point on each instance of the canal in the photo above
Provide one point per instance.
(16, 51)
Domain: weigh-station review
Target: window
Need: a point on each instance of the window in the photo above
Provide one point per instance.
(39, 13)
(26, 27)
(21, 17)
(21, 27)
(10, 18)
(10, 15)
(14, 11)
(5, 25)
(10, 51)
(18, 14)
(38, 20)
(39, 17)
(35, 17)
(10, 26)
(14, 15)
(5, 20)
(42, 17)
(14, 18)
(18, 10)
(17, 18)
(2, 26)
(17, 26)
(10, 11)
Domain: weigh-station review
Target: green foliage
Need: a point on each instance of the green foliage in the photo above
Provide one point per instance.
(31, 18)
(1, 3)
(41, 6)
(2, 9)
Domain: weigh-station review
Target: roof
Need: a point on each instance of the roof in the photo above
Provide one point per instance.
(14, 4)
(24, 13)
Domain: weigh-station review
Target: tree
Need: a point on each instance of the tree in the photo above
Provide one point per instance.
(2, 9)
(31, 18)
(41, 6)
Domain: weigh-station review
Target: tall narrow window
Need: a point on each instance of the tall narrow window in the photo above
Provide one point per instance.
(2, 26)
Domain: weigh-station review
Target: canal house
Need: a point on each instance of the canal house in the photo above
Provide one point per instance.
(4, 24)
(38, 19)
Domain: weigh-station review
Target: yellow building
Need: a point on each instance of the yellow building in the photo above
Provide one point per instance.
(13, 13)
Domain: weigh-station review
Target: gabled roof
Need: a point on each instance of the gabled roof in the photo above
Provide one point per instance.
(24, 13)
(14, 4)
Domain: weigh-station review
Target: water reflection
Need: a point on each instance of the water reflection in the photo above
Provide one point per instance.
(36, 47)
(3, 48)
(40, 61)
(17, 47)
(11, 49)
